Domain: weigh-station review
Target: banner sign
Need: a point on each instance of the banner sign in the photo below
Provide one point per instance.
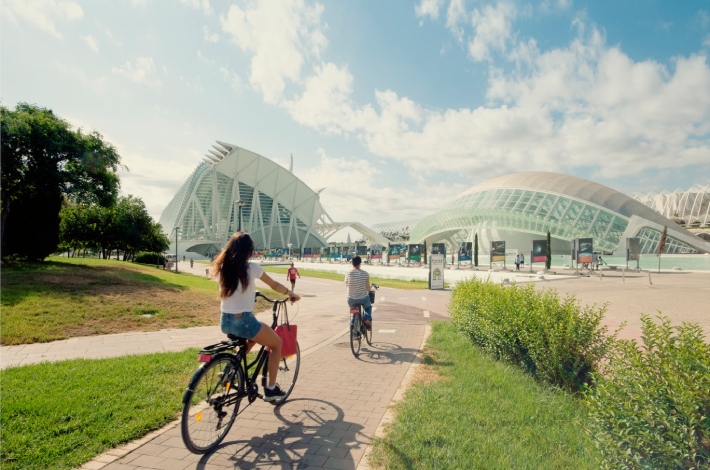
(436, 271)
(539, 251)
(414, 252)
(585, 250)
(465, 251)
(633, 249)
(362, 250)
(325, 252)
(295, 252)
(498, 251)
(395, 251)
(376, 252)
(438, 249)
(316, 252)
(307, 252)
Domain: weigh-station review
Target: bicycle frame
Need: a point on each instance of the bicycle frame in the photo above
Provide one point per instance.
(259, 364)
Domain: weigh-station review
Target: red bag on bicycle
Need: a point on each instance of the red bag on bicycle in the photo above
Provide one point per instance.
(287, 333)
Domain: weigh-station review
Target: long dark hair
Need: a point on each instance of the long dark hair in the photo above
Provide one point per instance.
(232, 264)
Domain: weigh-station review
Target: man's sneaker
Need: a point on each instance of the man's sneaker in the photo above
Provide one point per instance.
(274, 395)
(368, 324)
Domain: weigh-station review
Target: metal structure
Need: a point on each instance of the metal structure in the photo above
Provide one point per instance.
(523, 206)
(278, 208)
(690, 208)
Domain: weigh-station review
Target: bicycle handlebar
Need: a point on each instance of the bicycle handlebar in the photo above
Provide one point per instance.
(259, 294)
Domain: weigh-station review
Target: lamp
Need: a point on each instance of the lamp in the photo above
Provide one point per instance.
(176, 249)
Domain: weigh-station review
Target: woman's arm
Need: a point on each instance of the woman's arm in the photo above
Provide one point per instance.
(278, 287)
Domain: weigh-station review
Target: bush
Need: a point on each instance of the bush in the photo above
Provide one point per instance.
(651, 408)
(556, 341)
(150, 258)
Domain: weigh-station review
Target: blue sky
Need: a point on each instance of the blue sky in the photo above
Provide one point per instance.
(395, 107)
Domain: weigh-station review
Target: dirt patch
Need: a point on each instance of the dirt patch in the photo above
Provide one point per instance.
(426, 374)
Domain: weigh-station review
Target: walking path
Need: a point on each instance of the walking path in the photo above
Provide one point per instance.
(340, 402)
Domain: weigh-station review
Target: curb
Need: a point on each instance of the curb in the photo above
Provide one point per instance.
(389, 415)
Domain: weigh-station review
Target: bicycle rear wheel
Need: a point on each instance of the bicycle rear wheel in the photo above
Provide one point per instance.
(368, 334)
(288, 373)
(211, 403)
(355, 334)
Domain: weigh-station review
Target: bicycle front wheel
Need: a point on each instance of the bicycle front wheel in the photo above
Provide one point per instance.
(288, 373)
(211, 403)
(355, 334)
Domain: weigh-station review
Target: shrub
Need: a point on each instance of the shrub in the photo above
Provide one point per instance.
(150, 258)
(651, 409)
(555, 340)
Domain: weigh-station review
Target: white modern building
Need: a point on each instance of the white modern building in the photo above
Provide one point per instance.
(522, 207)
(235, 188)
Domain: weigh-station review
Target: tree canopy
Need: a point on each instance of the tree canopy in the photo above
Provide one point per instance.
(44, 160)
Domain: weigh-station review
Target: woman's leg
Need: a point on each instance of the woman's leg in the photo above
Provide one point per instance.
(271, 340)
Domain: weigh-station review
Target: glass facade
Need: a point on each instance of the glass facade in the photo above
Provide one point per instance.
(530, 211)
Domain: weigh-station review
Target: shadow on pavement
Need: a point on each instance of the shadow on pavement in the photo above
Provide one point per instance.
(313, 431)
(386, 353)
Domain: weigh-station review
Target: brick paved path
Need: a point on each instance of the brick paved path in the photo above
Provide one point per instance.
(328, 421)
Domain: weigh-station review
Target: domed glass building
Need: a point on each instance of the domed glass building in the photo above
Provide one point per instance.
(278, 209)
(522, 207)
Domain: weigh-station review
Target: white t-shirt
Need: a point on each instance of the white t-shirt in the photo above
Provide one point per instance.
(243, 301)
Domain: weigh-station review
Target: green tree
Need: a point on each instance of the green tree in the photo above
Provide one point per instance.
(43, 161)
(548, 255)
(475, 250)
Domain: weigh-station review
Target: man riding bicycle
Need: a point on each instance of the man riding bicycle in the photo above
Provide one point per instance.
(357, 282)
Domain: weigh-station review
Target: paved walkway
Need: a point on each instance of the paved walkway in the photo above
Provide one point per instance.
(340, 402)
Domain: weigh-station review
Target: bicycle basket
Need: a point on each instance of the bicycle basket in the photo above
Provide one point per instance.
(372, 296)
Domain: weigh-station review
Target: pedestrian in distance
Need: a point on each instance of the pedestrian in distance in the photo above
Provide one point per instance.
(517, 262)
(291, 275)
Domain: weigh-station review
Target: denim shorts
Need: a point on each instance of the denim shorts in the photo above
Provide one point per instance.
(244, 326)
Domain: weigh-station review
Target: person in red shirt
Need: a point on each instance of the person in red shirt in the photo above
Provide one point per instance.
(291, 276)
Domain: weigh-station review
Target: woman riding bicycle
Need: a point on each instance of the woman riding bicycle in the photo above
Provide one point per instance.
(236, 290)
(358, 283)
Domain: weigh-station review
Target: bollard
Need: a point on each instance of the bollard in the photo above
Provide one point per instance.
(649, 277)
(623, 276)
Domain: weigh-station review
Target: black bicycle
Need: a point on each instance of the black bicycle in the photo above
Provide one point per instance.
(358, 330)
(215, 393)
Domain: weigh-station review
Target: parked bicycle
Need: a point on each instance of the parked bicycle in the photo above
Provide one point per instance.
(227, 376)
(358, 331)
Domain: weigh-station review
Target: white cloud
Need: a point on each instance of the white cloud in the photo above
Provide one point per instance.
(232, 78)
(203, 5)
(370, 193)
(428, 8)
(209, 37)
(492, 30)
(91, 42)
(143, 70)
(42, 13)
(204, 59)
(281, 35)
(456, 18)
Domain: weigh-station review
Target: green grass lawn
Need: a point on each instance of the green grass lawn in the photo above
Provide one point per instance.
(393, 283)
(470, 411)
(63, 414)
(66, 297)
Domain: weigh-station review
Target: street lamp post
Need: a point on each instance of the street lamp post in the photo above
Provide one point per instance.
(240, 204)
(289, 250)
(176, 249)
